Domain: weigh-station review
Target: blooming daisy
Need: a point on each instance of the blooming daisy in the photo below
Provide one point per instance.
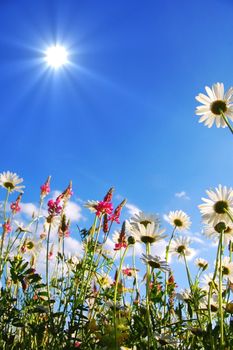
(180, 246)
(201, 263)
(214, 209)
(179, 219)
(214, 232)
(227, 268)
(214, 105)
(144, 219)
(156, 262)
(11, 182)
(207, 280)
(146, 234)
(91, 205)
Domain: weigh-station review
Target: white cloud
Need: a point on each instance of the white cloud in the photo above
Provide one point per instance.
(132, 209)
(73, 211)
(182, 194)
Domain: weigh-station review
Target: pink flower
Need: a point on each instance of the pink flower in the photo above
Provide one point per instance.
(15, 208)
(7, 227)
(77, 344)
(67, 193)
(108, 196)
(54, 207)
(104, 207)
(120, 245)
(116, 215)
(45, 188)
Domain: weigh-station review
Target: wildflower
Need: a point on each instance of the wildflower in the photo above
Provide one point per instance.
(180, 247)
(214, 232)
(207, 280)
(11, 182)
(108, 196)
(45, 188)
(215, 209)
(184, 295)
(104, 208)
(21, 227)
(129, 271)
(63, 230)
(201, 263)
(120, 238)
(50, 253)
(91, 205)
(28, 246)
(7, 227)
(105, 224)
(104, 281)
(156, 262)
(214, 105)
(179, 219)
(166, 339)
(227, 268)
(54, 207)
(144, 219)
(147, 234)
(67, 193)
(15, 208)
(116, 215)
(214, 303)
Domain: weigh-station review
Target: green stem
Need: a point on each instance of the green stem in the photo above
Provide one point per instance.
(115, 294)
(165, 279)
(227, 122)
(148, 277)
(220, 295)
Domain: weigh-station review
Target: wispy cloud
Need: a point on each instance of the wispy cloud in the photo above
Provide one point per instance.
(132, 209)
(182, 195)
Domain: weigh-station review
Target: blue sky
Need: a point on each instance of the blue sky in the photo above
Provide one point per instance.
(122, 112)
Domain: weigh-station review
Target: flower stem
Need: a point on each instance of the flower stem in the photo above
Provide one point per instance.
(148, 277)
(227, 122)
(220, 295)
(115, 294)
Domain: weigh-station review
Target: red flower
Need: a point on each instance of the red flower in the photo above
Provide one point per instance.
(116, 215)
(15, 208)
(104, 207)
(45, 188)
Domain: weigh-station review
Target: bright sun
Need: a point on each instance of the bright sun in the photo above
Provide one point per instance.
(56, 56)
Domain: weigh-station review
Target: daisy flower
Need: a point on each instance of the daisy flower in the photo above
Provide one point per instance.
(227, 268)
(207, 280)
(214, 209)
(156, 262)
(214, 104)
(179, 219)
(11, 182)
(180, 247)
(214, 232)
(201, 263)
(91, 205)
(146, 234)
(144, 219)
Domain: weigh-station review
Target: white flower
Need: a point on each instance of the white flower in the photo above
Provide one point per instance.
(104, 280)
(227, 268)
(201, 263)
(207, 280)
(180, 246)
(91, 205)
(146, 234)
(214, 105)
(144, 219)
(156, 262)
(214, 232)
(179, 219)
(214, 209)
(11, 182)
